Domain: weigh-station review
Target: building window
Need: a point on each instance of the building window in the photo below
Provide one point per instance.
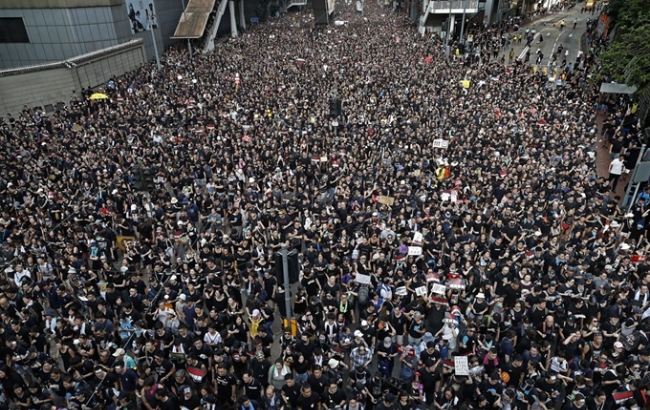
(12, 30)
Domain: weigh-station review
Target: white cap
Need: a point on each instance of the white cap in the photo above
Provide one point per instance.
(333, 363)
(119, 352)
(358, 333)
(364, 323)
(256, 312)
(183, 297)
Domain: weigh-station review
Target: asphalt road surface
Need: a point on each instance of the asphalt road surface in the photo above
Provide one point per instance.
(553, 37)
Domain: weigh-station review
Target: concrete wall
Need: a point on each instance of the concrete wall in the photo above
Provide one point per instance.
(52, 83)
(53, 4)
(57, 34)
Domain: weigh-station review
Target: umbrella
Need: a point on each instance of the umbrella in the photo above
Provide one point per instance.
(99, 96)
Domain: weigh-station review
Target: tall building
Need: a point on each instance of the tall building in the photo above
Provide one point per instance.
(46, 31)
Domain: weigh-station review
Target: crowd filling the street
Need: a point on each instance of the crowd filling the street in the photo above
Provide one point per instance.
(450, 243)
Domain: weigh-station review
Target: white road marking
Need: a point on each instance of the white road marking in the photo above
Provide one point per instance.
(523, 53)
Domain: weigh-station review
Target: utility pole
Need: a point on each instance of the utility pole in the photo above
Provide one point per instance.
(153, 38)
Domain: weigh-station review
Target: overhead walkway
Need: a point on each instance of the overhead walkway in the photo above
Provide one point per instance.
(295, 3)
(214, 28)
(194, 19)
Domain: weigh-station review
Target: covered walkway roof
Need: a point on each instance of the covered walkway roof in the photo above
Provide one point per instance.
(194, 19)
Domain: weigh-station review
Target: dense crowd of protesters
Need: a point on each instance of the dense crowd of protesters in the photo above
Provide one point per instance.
(451, 212)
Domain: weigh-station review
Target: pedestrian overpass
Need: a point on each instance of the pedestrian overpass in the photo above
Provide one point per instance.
(194, 19)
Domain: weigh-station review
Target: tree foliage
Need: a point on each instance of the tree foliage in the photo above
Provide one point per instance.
(628, 13)
(627, 58)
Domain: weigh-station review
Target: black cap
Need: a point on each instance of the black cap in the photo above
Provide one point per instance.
(389, 398)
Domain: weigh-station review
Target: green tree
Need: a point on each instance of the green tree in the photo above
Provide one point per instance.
(627, 58)
(628, 13)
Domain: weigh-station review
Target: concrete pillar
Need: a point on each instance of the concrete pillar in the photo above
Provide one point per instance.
(452, 24)
(242, 17)
(233, 21)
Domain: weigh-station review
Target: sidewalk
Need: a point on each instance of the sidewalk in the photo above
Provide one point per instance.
(603, 160)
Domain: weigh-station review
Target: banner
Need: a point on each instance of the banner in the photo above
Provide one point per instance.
(142, 15)
(386, 200)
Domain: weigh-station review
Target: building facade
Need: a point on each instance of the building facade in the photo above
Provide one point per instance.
(46, 31)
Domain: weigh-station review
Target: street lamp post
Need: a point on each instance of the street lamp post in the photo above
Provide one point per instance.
(449, 26)
(462, 25)
(153, 38)
(285, 253)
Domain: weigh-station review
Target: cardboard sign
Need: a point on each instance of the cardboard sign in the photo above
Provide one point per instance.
(386, 200)
(465, 83)
(421, 291)
(461, 366)
(438, 289)
(440, 143)
(363, 279)
(415, 251)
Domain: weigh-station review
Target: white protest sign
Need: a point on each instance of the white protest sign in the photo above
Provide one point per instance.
(417, 238)
(445, 196)
(454, 196)
(440, 143)
(438, 289)
(363, 279)
(421, 291)
(461, 367)
(415, 251)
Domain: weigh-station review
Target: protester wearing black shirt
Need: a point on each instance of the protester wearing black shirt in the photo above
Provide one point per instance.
(333, 396)
(308, 400)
